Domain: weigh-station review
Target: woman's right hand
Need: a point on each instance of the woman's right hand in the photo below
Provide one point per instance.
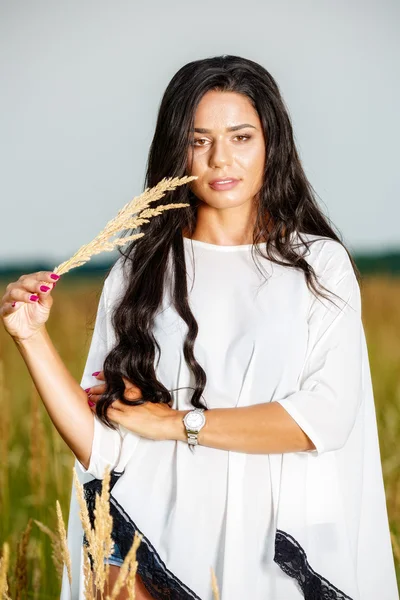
(25, 307)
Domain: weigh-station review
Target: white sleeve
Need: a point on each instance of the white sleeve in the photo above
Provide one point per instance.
(330, 386)
(110, 447)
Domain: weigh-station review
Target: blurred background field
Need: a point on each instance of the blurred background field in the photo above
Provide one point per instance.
(36, 465)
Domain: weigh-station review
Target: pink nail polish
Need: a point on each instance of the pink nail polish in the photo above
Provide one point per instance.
(13, 304)
(95, 373)
(54, 276)
(87, 390)
(90, 403)
(44, 288)
(33, 297)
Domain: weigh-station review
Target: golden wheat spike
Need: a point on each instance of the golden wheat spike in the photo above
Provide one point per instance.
(100, 542)
(103, 524)
(4, 562)
(21, 565)
(57, 555)
(62, 534)
(83, 510)
(88, 576)
(124, 220)
(214, 585)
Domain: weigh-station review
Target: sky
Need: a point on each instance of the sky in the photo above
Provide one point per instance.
(81, 82)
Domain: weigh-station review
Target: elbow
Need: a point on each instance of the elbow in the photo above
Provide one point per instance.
(329, 441)
(309, 445)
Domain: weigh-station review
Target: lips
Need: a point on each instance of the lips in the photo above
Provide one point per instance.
(222, 179)
(227, 183)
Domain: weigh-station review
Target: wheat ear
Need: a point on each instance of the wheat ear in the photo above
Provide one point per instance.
(66, 558)
(100, 542)
(4, 562)
(103, 524)
(125, 220)
(87, 575)
(21, 570)
(214, 585)
(57, 554)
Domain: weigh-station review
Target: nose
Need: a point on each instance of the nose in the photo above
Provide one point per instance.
(220, 155)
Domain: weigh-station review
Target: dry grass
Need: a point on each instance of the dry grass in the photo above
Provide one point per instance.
(62, 536)
(4, 563)
(100, 546)
(124, 220)
(21, 565)
(37, 466)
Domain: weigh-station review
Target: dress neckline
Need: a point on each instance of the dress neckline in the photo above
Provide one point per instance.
(219, 246)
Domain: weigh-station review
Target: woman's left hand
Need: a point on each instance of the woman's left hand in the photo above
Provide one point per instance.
(151, 420)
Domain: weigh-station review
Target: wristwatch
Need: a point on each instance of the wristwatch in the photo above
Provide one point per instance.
(194, 420)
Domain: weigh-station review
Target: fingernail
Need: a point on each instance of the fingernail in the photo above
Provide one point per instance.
(96, 373)
(87, 390)
(13, 304)
(54, 276)
(90, 403)
(33, 297)
(44, 288)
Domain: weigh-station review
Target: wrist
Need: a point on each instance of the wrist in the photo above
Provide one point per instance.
(33, 339)
(178, 429)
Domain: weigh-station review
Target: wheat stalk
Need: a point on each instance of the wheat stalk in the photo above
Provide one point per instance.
(127, 571)
(83, 511)
(131, 578)
(103, 523)
(21, 574)
(87, 575)
(35, 556)
(395, 546)
(214, 585)
(125, 220)
(100, 542)
(57, 554)
(66, 558)
(4, 562)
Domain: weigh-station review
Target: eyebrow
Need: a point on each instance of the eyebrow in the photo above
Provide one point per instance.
(234, 128)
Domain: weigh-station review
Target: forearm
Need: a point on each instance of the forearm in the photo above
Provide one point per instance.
(63, 397)
(257, 429)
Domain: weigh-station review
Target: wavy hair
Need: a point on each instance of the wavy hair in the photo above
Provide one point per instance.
(285, 204)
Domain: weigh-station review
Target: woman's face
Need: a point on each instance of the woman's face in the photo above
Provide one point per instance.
(221, 153)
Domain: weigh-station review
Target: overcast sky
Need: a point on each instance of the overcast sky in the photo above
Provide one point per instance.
(81, 82)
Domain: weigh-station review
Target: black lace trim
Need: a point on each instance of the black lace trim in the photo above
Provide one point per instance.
(292, 559)
(164, 585)
(157, 579)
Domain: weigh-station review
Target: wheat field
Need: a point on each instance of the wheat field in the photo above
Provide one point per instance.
(36, 465)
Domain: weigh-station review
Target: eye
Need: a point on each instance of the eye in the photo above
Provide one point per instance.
(199, 140)
(247, 137)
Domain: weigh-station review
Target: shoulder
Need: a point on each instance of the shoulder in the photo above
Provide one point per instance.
(328, 257)
(333, 268)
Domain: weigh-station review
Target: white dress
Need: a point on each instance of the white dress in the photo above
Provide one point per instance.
(273, 526)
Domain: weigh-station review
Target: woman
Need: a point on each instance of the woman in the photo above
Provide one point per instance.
(245, 304)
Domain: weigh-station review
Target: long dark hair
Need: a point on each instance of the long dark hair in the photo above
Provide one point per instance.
(286, 204)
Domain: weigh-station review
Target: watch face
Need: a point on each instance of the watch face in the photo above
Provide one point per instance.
(194, 420)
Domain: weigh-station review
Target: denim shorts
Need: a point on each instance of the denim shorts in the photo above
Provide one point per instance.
(115, 557)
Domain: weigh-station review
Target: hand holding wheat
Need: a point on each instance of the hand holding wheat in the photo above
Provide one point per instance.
(25, 307)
